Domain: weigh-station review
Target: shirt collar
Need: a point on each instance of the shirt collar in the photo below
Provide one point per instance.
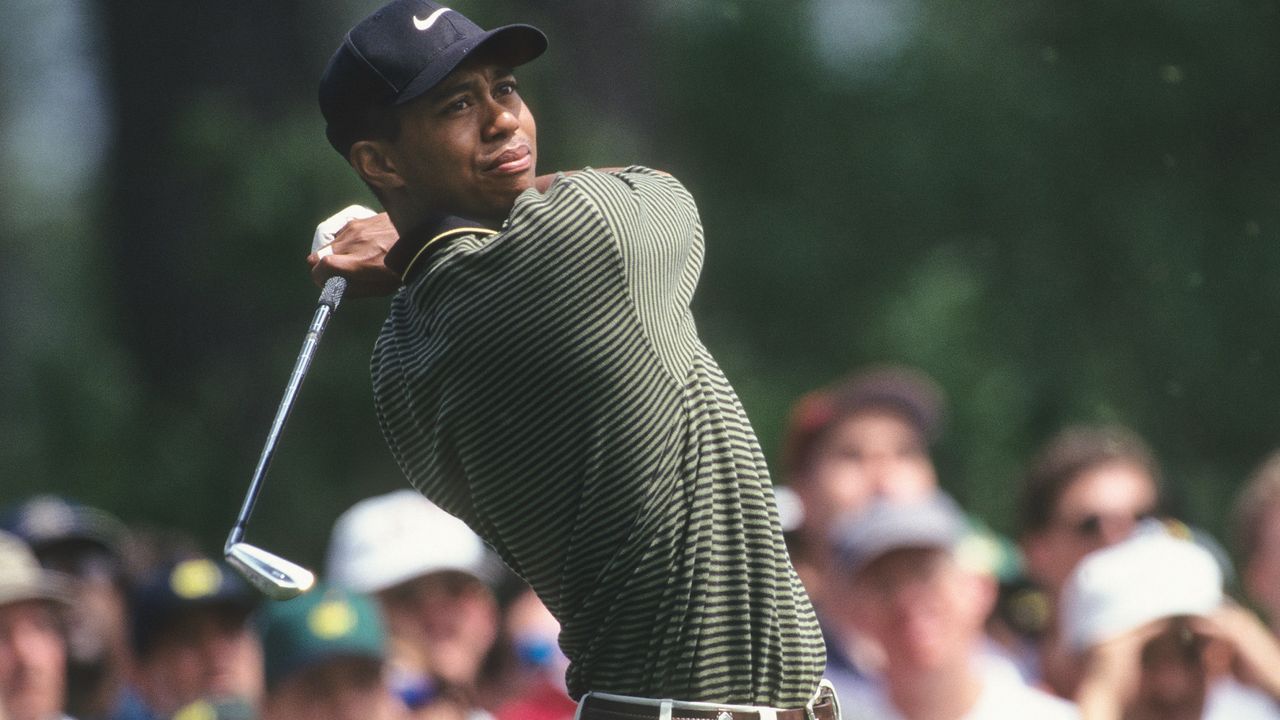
(406, 257)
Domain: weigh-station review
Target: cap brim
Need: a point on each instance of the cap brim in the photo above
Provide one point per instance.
(513, 45)
(385, 578)
(53, 588)
(854, 562)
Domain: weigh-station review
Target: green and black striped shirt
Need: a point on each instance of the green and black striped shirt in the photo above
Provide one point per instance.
(546, 384)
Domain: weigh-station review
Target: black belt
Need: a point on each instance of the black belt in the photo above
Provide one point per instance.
(616, 707)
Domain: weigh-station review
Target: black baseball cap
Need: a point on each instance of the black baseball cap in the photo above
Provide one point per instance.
(160, 599)
(45, 521)
(400, 52)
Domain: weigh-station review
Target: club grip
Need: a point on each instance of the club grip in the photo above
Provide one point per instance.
(332, 293)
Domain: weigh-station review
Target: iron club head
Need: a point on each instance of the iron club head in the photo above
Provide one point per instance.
(272, 575)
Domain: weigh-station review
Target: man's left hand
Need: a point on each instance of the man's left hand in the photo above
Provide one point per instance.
(358, 253)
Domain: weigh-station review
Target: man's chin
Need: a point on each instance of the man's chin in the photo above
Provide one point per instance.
(520, 183)
(505, 199)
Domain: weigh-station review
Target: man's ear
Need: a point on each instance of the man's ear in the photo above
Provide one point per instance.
(375, 164)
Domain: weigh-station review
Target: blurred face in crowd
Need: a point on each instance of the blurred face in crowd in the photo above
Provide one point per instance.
(98, 622)
(870, 454)
(32, 661)
(535, 633)
(922, 607)
(1174, 679)
(1261, 571)
(1099, 508)
(450, 618)
(206, 652)
(344, 688)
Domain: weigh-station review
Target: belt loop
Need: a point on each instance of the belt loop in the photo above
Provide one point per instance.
(825, 689)
(664, 710)
(767, 713)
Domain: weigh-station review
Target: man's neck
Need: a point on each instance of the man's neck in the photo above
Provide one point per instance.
(938, 694)
(420, 221)
(409, 254)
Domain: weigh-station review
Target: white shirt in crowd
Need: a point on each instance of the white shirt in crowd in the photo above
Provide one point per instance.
(1005, 696)
(1230, 700)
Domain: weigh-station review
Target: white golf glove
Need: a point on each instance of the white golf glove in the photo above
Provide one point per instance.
(326, 230)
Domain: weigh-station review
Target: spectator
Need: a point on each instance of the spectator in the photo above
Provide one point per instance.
(538, 687)
(325, 657)
(1152, 637)
(915, 586)
(866, 436)
(33, 648)
(1256, 522)
(85, 544)
(431, 576)
(1088, 488)
(192, 637)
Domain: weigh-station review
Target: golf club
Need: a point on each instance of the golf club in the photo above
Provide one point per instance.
(271, 574)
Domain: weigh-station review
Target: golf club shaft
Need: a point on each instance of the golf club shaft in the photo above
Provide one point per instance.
(329, 300)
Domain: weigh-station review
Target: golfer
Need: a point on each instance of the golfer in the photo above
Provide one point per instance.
(539, 376)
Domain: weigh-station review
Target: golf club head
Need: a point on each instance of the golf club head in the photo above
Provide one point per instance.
(272, 575)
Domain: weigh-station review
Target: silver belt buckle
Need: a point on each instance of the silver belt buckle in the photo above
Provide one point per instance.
(825, 690)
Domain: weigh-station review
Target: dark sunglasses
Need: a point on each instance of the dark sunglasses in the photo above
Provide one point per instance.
(1090, 526)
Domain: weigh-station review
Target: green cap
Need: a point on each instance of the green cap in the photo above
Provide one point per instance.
(325, 623)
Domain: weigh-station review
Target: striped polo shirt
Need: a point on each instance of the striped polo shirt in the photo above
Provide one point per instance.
(546, 384)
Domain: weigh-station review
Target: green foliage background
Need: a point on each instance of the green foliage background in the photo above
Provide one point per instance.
(1064, 211)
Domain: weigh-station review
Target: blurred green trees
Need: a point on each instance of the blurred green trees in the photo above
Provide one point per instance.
(1063, 211)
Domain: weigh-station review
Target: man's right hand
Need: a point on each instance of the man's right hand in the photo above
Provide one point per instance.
(1111, 675)
(357, 253)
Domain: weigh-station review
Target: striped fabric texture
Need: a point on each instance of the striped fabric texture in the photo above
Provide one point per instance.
(546, 384)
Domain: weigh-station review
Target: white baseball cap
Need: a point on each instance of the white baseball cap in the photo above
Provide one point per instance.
(886, 525)
(1151, 575)
(22, 578)
(385, 540)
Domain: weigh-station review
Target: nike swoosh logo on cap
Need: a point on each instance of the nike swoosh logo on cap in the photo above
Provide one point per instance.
(431, 19)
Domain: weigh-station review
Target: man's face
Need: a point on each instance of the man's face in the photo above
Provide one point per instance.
(1174, 680)
(1099, 508)
(873, 453)
(469, 146)
(922, 607)
(32, 661)
(98, 620)
(1261, 572)
(450, 617)
(342, 688)
(207, 652)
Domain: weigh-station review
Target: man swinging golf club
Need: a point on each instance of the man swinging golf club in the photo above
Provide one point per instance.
(540, 377)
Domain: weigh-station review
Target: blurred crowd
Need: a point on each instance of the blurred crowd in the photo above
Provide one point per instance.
(414, 619)
(1101, 605)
